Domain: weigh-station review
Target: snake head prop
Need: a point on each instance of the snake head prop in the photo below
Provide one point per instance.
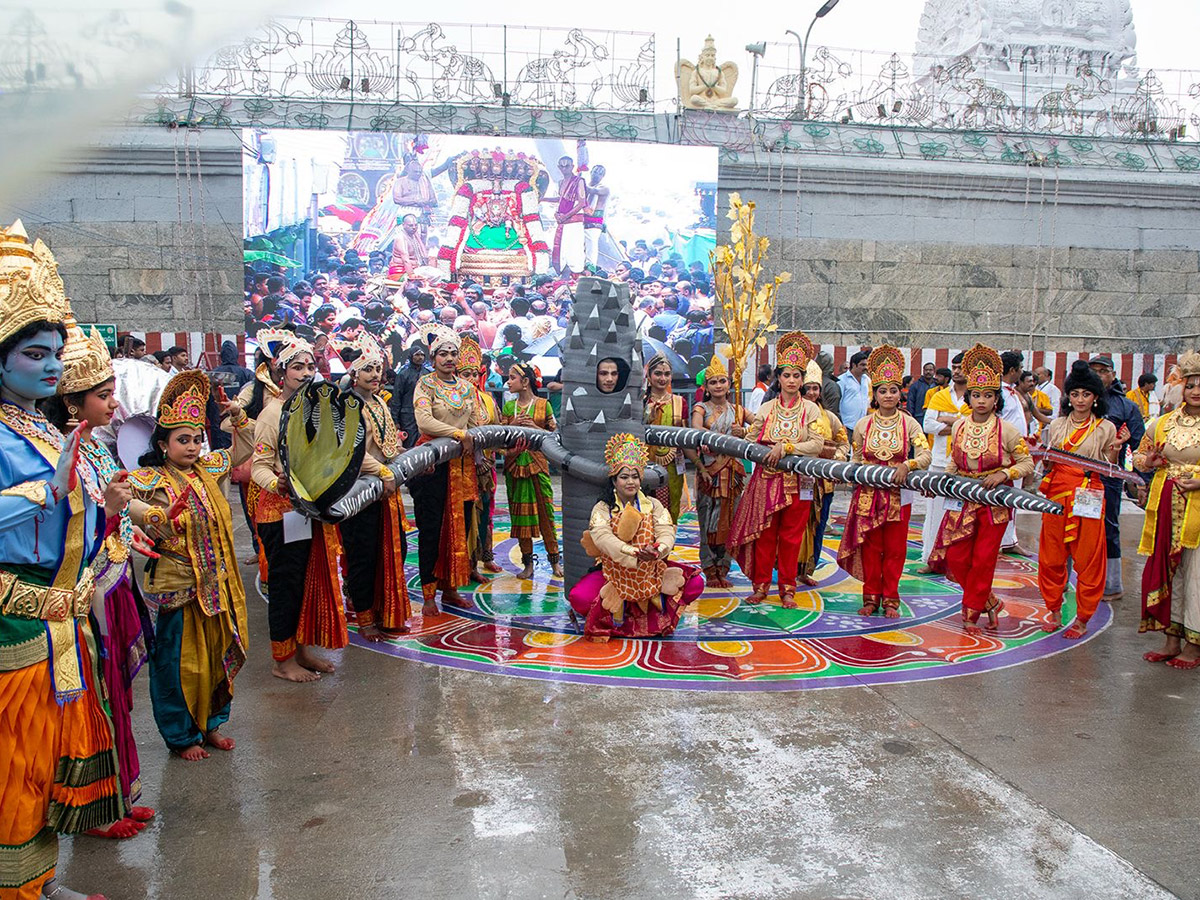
(322, 442)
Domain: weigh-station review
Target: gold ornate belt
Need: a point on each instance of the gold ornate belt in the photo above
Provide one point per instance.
(34, 601)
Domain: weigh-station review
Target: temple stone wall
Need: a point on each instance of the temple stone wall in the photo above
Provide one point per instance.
(937, 255)
(138, 243)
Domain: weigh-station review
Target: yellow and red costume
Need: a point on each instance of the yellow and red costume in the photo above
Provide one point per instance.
(968, 542)
(771, 520)
(875, 541)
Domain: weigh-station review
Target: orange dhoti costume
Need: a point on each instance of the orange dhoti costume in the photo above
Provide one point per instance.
(1078, 534)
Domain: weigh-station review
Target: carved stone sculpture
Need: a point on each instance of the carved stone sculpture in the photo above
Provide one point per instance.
(707, 85)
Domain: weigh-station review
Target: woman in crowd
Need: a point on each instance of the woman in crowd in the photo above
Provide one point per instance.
(1171, 534)
(444, 499)
(772, 517)
(200, 634)
(374, 538)
(635, 592)
(526, 473)
(1076, 538)
(251, 399)
(875, 540)
(994, 452)
(87, 399)
(836, 446)
(58, 769)
(665, 408)
(305, 608)
(718, 478)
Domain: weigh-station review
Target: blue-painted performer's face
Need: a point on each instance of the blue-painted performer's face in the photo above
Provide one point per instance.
(33, 368)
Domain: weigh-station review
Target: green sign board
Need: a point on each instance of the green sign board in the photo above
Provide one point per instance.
(107, 332)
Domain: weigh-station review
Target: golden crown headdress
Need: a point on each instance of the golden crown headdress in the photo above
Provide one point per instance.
(85, 358)
(1189, 364)
(30, 287)
(469, 355)
(438, 336)
(885, 365)
(717, 368)
(813, 373)
(184, 400)
(624, 451)
(794, 350)
(982, 367)
(282, 345)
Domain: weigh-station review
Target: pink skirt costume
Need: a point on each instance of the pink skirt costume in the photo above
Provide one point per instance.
(633, 599)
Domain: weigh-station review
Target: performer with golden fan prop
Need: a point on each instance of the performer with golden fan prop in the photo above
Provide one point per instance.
(992, 451)
(635, 592)
(58, 768)
(875, 539)
(200, 633)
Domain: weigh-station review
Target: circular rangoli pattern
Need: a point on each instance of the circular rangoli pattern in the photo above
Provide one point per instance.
(521, 628)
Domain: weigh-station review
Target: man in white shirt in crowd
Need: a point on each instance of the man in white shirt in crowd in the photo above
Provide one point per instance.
(1012, 361)
(1047, 386)
(939, 419)
(856, 391)
(755, 400)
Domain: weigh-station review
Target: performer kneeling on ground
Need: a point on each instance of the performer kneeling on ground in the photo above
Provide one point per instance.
(769, 526)
(718, 478)
(305, 604)
(636, 592)
(985, 448)
(1077, 535)
(444, 499)
(200, 635)
(527, 474)
(836, 447)
(1171, 579)
(374, 539)
(875, 540)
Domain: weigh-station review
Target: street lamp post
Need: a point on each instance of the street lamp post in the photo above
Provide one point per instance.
(826, 8)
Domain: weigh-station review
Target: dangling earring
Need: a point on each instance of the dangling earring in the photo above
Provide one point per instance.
(73, 413)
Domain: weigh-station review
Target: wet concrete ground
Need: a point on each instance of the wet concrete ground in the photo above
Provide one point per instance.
(1066, 777)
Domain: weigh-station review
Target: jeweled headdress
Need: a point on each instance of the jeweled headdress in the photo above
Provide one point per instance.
(282, 345)
(367, 349)
(30, 287)
(469, 355)
(530, 371)
(436, 337)
(982, 367)
(183, 400)
(655, 361)
(85, 358)
(794, 350)
(813, 373)
(624, 451)
(1189, 364)
(716, 369)
(885, 365)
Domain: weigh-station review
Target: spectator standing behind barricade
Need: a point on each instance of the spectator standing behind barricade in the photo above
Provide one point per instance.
(1045, 384)
(919, 388)
(1143, 395)
(856, 390)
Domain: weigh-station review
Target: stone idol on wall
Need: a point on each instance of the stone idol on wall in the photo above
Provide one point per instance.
(707, 85)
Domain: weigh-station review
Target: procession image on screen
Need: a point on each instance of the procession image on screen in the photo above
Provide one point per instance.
(493, 211)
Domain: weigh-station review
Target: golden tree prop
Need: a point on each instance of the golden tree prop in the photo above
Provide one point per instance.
(747, 307)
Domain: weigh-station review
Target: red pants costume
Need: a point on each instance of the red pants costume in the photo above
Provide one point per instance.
(972, 561)
(1087, 550)
(779, 544)
(884, 550)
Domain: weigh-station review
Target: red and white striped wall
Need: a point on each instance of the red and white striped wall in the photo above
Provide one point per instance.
(1129, 365)
(197, 342)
